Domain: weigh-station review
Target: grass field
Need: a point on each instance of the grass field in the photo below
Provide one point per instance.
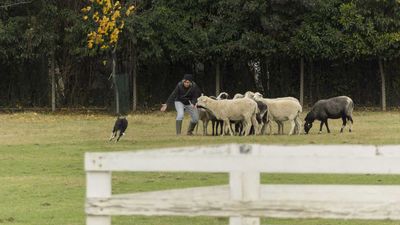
(42, 181)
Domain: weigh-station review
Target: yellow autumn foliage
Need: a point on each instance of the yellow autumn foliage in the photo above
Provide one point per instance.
(109, 22)
(116, 15)
(129, 10)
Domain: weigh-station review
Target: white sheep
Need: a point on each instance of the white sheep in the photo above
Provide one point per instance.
(249, 94)
(242, 109)
(283, 109)
(280, 98)
(279, 123)
(263, 111)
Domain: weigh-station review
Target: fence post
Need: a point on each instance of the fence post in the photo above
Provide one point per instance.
(244, 186)
(98, 184)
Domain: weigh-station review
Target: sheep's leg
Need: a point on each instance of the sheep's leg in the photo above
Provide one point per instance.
(296, 126)
(259, 128)
(241, 131)
(244, 131)
(246, 127)
(320, 126)
(293, 126)
(212, 124)
(228, 124)
(299, 125)
(227, 129)
(279, 127)
(242, 126)
(296, 129)
(350, 124)
(256, 126)
(221, 128)
(263, 127)
(237, 128)
(270, 127)
(326, 124)
(344, 120)
(221, 125)
(224, 128)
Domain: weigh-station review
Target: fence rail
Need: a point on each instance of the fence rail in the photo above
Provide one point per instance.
(244, 200)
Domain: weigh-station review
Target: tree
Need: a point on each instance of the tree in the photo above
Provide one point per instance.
(372, 30)
(108, 20)
(317, 37)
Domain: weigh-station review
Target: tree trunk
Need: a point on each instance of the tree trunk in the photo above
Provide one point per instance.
(134, 79)
(114, 65)
(256, 68)
(53, 83)
(302, 81)
(383, 84)
(268, 78)
(311, 85)
(217, 79)
(318, 80)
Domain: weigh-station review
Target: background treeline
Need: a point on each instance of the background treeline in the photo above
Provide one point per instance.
(309, 49)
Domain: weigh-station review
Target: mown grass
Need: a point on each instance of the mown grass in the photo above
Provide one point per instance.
(42, 181)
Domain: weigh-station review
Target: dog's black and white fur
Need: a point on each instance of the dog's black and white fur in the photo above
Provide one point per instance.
(120, 125)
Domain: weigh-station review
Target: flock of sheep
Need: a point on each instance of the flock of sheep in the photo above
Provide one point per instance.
(252, 113)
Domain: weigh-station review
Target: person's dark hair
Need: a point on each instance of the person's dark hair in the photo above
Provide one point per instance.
(188, 77)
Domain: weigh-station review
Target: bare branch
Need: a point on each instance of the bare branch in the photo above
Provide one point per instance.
(6, 4)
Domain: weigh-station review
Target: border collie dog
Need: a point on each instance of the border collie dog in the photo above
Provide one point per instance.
(120, 125)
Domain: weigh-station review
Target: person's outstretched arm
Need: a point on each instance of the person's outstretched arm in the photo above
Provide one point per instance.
(170, 99)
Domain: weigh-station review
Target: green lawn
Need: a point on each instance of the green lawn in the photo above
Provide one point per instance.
(42, 181)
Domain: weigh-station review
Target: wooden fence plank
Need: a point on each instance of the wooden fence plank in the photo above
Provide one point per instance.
(98, 185)
(275, 159)
(244, 199)
(278, 201)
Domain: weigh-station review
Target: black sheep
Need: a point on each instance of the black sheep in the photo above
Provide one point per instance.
(333, 108)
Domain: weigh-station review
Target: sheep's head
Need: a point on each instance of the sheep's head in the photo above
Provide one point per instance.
(249, 94)
(202, 101)
(308, 122)
(307, 127)
(238, 95)
(257, 96)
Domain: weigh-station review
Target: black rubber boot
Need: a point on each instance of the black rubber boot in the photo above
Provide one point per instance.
(178, 127)
(191, 128)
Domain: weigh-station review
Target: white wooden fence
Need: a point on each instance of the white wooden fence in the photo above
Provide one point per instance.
(244, 200)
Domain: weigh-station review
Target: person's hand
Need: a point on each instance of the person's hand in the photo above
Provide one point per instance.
(194, 106)
(163, 107)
